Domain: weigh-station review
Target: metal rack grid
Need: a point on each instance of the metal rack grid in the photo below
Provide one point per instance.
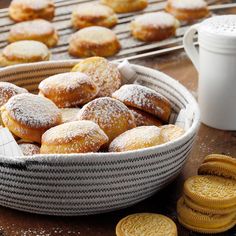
(131, 48)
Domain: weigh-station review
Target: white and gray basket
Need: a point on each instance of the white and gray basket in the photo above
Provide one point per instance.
(81, 184)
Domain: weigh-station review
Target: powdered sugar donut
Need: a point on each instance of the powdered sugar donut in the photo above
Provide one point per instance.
(187, 10)
(154, 26)
(137, 138)
(110, 114)
(105, 74)
(69, 89)
(28, 116)
(145, 99)
(73, 137)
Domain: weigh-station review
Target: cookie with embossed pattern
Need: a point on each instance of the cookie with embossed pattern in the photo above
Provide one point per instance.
(146, 224)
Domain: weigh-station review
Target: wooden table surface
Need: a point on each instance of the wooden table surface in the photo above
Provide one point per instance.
(208, 141)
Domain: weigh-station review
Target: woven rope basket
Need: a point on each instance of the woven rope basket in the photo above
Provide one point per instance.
(81, 184)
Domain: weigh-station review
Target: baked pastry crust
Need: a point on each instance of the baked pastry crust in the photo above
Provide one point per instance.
(187, 10)
(29, 149)
(154, 26)
(124, 6)
(91, 14)
(145, 99)
(69, 114)
(111, 115)
(137, 138)
(25, 51)
(28, 116)
(69, 89)
(105, 74)
(73, 137)
(23, 10)
(94, 41)
(38, 30)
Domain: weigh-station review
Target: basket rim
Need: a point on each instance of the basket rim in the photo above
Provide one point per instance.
(146, 151)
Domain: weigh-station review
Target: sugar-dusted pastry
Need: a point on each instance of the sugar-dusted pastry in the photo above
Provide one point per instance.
(104, 73)
(23, 10)
(29, 149)
(143, 118)
(94, 41)
(124, 6)
(38, 30)
(69, 89)
(137, 138)
(204, 223)
(25, 51)
(149, 224)
(155, 26)
(69, 114)
(111, 115)
(91, 14)
(145, 99)
(172, 132)
(73, 137)
(8, 90)
(28, 116)
(187, 10)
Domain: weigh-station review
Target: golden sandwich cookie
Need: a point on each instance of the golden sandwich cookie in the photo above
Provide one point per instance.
(137, 138)
(69, 89)
(211, 191)
(73, 137)
(38, 30)
(23, 10)
(187, 10)
(26, 51)
(94, 41)
(146, 224)
(104, 73)
(28, 116)
(91, 14)
(154, 26)
(204, 223)
(124, 6)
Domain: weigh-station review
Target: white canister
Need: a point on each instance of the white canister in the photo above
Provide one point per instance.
(216, 64)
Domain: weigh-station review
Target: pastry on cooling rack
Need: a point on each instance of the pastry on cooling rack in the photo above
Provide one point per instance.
(145, 99)
(94, 41)
(73, 137)
(110, 114)
(69, 89)
(8, 90)
(28, 116)
(91, 14)
(29, 149)
(24, 51)
(187, 10)
(124, 6)
(137, 138)
(23, 10)
(69, 114)
(105, 74)
(39, 30)
(143, 118)
(154, 26)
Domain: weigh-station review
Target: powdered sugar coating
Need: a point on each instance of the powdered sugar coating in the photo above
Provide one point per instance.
(156, 20)
(110, 114)
(137, 138)
(29, 149)
(69, 114)
(105, 74)
(188, 4)
(33, 111)
(145, 99)
(8, 90)
(34, 4)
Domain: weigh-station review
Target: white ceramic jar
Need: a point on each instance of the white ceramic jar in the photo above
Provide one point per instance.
(216, 64)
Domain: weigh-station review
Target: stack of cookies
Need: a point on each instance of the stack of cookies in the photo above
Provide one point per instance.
(208, 204)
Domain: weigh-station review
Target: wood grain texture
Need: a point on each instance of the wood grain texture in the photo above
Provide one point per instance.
(208, 141)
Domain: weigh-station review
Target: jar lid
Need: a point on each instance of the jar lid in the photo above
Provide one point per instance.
(218, 32)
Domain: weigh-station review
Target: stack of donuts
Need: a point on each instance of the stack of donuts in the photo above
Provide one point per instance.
(86, 110)
(33, 34)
